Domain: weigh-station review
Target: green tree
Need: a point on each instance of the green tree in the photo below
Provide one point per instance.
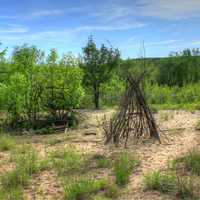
(98, 65)
(25, 59)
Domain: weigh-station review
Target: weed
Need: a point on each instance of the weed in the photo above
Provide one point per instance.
(67, 161)
(185, 188)
(162, 182)
(101, 161)
(123, 167)
(13, 182)
(6, 142)
(192, 162)
(112, 191)
(83, 188)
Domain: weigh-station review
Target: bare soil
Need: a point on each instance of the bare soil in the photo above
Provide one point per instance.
(178, 126)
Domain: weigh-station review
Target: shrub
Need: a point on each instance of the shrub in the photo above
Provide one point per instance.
(6, 142)
(83, 188)
(123, 167)
(162, 182)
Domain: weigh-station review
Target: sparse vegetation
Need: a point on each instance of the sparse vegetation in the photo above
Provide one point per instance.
(13, 182)
(68, 161)
(6, 142)
(123, 168)
(162, 182)
(83, 188)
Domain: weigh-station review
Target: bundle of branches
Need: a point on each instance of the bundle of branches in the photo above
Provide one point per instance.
(134, 119)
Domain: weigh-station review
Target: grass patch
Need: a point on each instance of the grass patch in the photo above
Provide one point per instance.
(6, 142)
(161, 182)
(101, 161)
(170, 183)
(83, 188)
(192, 162)
(67, 161)
(123, 167)
(12, 183)
(54, 141)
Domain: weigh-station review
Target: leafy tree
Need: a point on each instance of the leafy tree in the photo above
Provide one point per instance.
(69, 60)
(25, 59)
(98, 65)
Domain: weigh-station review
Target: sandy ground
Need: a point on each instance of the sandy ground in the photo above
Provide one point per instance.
(182, 138)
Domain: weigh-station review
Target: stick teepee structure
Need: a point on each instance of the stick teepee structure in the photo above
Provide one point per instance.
(134, 119)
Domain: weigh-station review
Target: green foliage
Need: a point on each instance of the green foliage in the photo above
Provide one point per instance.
(183, 97)
(6, 142)
(83, 188)
(123, 167)
(112, 91)
(98, 65)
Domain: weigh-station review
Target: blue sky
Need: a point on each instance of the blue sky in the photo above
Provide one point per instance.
(163, 25)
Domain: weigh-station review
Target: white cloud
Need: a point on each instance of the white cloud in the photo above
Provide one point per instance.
(162, 43)
(169, 9)
(44, 13)
(13, 28)
(116, 27)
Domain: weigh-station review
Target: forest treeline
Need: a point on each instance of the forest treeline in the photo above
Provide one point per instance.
(34, 85)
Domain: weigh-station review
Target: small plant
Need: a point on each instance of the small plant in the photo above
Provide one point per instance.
(197, 126)
(6, 142)
(83, 188)
(101, 161)
(164, 116)
(192, 162)
(185, 188)
(111, 191)
(67, 161)
(54, 141)
(123, 168)
(165, 183)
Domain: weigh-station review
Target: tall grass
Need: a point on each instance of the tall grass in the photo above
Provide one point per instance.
(123, 168)
(67, 161)
(12, 182)
(83, 188)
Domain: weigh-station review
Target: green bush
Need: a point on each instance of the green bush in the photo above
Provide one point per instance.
(6, 142)
(123, 168)
(83, 188)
